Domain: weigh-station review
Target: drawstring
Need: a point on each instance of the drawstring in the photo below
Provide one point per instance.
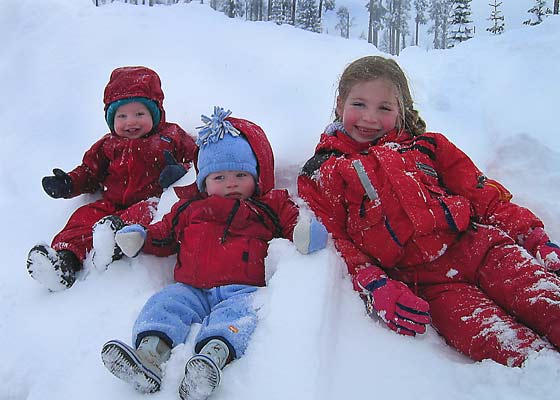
(230, 219)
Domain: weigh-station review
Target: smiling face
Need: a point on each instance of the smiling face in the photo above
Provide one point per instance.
(370, 110)
(133, 120)
(233, 184)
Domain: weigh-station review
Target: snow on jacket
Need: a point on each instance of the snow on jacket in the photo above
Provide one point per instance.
(426, 193)
(222, 241)
(127, 170)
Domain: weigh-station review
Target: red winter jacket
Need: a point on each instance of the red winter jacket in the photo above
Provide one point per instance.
(426, 193)
(127, 170)
(223, 241)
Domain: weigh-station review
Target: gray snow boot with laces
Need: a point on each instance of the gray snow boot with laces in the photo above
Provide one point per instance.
(142, 368)
(203, 371)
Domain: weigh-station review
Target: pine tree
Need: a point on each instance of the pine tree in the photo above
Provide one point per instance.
(421, 7)
(539, 10)
(307, 16)
(497, 19)
(345, 22)
(440, 11)
(376, 14)
(460, 22)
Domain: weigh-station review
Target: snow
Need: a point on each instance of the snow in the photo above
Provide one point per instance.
(495, 97)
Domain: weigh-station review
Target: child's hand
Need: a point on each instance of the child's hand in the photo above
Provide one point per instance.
(310, 235)
(131, 239)
(172, 172)
(59, 185)
(538, 244)
(393, 302)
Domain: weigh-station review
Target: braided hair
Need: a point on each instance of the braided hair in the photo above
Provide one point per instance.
(370, 68)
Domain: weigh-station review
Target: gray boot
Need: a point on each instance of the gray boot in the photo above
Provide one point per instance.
(142, 368)
(203, 371)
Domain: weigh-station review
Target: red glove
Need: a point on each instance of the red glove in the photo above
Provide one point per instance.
(393, 302)
(538, 244)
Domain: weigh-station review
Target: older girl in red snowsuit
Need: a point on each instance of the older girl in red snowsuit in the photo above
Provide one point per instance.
(142, 155)
(425, 235)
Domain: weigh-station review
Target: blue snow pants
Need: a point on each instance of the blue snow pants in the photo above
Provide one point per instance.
(223, 311)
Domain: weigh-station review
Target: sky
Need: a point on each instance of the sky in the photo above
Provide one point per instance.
(490, 96)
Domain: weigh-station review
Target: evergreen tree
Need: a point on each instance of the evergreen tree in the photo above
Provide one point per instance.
(497, 19)
(440, 11)
(396, 21)
(344, 22)
(539, 10)
(376, 13)
(460, 28)
(421, 8)
(307, 16)
(277, 12)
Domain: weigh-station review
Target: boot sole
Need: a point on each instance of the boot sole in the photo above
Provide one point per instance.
(202, 377)
(41, 266)
(123, 363)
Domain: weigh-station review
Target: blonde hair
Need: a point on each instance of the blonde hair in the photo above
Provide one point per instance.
(370, 68)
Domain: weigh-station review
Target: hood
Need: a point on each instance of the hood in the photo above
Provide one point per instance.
(126, 82)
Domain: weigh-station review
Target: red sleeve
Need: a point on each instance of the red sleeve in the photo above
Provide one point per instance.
(490, 200)
(87, 177)
(161, 239)
(324, 193)
(185, 150)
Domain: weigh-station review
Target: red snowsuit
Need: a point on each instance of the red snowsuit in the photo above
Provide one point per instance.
(126, 171)
(439, 225)
(224, 241)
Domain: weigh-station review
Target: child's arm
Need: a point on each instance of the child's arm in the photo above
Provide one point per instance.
(324, 196)
(490, 200)
(87, 177)
(392, 301)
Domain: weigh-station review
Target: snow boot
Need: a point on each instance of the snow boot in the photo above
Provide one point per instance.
(56, 270)
(203, 371)
(142, 368)
(105, 249)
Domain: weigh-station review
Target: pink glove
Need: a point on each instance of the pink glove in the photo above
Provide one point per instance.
(538, 244)
(393, 302)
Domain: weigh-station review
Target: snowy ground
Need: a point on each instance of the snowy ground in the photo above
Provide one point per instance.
(497, 98)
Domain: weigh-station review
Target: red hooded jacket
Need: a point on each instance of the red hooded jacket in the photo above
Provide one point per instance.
(426, 192)
(223, 241)
(127, 170)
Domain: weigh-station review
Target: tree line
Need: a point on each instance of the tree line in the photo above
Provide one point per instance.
(393, 24)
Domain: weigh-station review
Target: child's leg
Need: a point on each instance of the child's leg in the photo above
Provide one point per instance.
(224, 336)
(141, 213)
(76, 236)
(170, 314)
(232, 317)
(477, 327)
(520, 285)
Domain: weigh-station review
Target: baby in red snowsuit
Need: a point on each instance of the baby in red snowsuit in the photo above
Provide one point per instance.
(425, 235)
(130, 166)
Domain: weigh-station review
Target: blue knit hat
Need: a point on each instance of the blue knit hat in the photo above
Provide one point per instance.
(114, 106)
(222, 148)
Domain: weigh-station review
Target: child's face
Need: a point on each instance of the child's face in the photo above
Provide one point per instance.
(370, 110)
(234, 184)
(133, 120)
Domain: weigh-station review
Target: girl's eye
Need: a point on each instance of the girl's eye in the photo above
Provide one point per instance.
(357, 104)
(121, 116)
(218, 177)
(241, 175)
(140, 114)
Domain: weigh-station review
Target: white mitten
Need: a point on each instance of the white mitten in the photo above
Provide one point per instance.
(310, 235)
(131, 239)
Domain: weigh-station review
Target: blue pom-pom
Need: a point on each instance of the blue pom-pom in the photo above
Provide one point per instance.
(215, 127)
